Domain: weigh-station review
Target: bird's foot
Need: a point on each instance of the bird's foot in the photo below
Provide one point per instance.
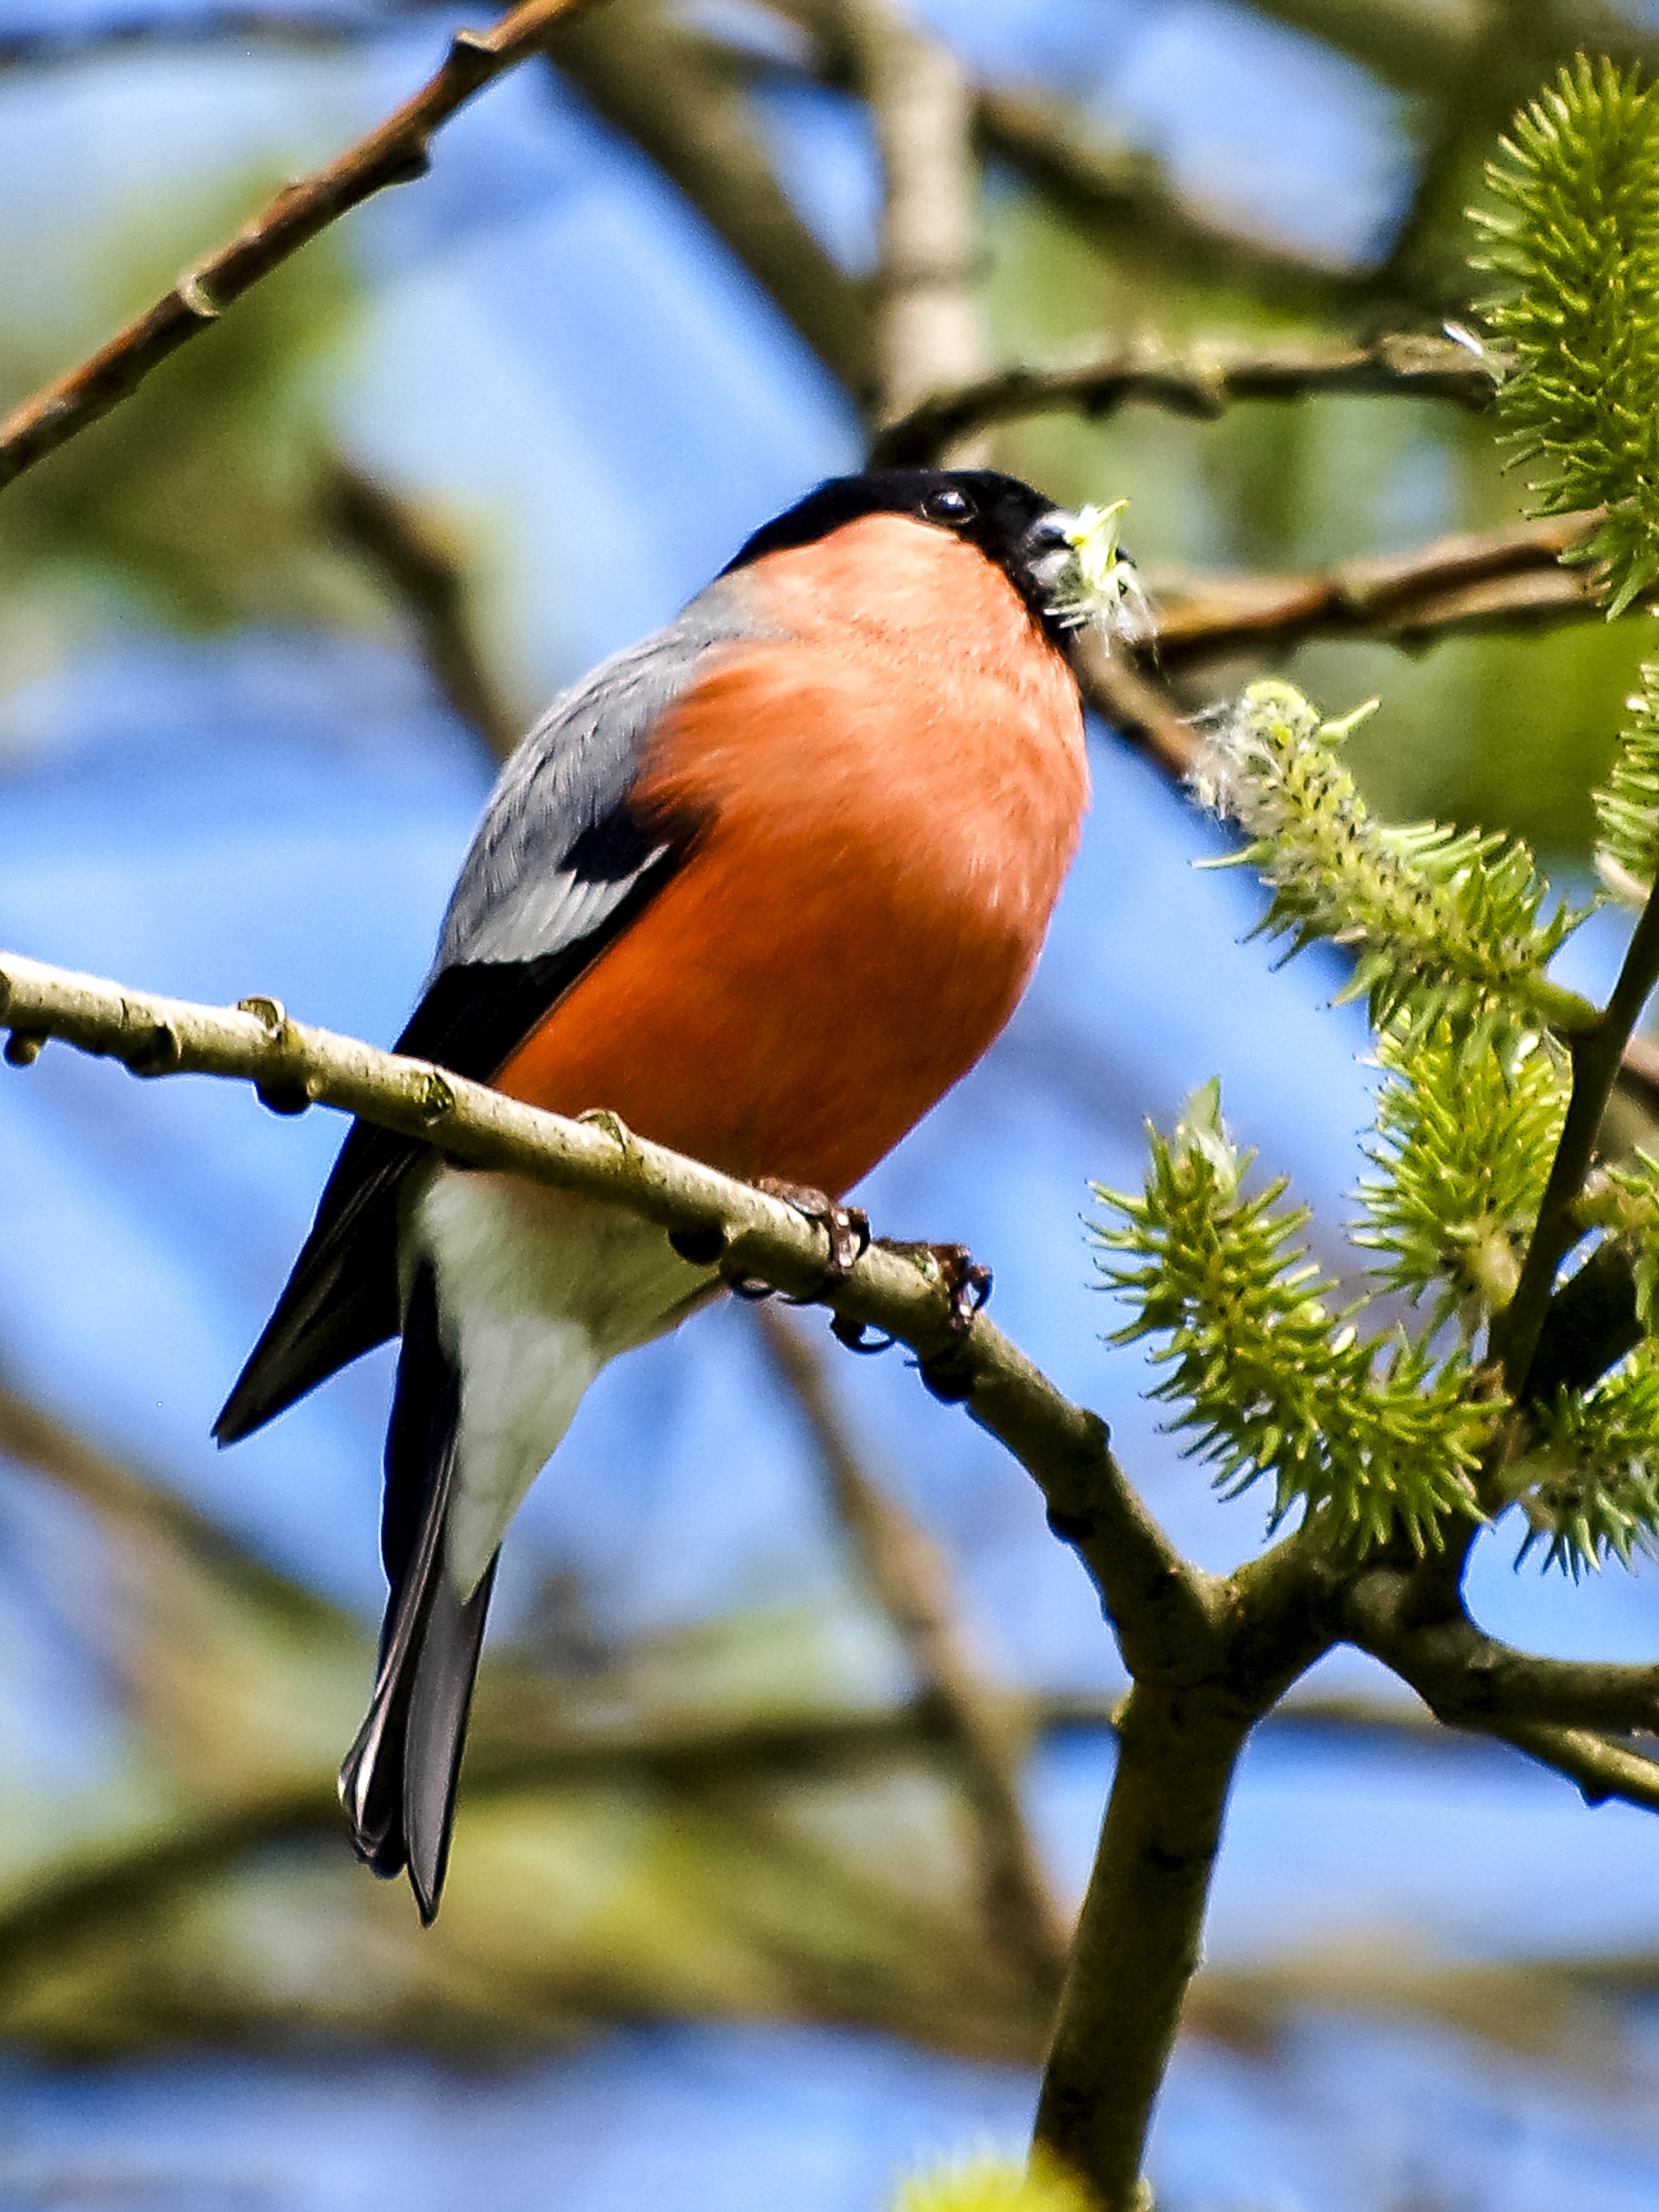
(968, 1284)
(848, 1228)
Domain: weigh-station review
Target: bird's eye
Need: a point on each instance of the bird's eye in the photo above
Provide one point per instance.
(950, 503)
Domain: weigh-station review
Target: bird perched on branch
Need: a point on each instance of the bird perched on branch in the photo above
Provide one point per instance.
(765, 886)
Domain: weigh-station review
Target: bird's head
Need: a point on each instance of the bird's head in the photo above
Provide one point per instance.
(1069, 567)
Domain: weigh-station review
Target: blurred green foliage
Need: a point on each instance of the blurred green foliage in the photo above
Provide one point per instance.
(194, 503)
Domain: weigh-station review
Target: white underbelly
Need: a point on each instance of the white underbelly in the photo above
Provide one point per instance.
(537, 1291)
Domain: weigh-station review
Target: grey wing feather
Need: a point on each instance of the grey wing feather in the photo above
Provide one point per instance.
(553, 855)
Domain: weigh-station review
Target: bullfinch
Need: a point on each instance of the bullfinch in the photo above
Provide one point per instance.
(765, 886)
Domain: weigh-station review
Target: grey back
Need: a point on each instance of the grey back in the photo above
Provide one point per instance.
(557, 851)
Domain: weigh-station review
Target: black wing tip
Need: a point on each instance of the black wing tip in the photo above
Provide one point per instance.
(261, 1391)
(427, 1895)
(236, 1419)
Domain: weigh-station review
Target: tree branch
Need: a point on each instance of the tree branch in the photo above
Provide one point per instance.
(928, 327)
(1122, 201)
(1139, 1939)
(1596, 1057)
(103, 1888)
(1201, 384)
(1164, 1609)
(1473, 579)
(1136, 705)
(33, 1438)
(1417, 44)
(1470, 1679)
(1602, 1770)
(662, 84)
(427, 583)
(912, 1584)
(1125, 204)
(394, 153)
(1591, 1322)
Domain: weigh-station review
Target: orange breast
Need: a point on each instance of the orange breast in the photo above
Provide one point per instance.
(885, 802)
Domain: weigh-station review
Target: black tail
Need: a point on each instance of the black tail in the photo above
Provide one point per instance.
(397, 1784)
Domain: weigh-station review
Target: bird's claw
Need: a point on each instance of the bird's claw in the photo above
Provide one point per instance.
(968, 1284)
(848, 1228)
(967, 1281)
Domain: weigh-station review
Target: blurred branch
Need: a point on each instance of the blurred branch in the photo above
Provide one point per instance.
(424, 579)
(1471, 580)
(1138, 707)
(133, 1876)
(93, 1893)
(1126, 204)
(928, 327)
(1164, 1610)
(1415, 45)
(53, 47)
(1201, 384)
(912, 1584)
(37, 1440)
(1123, 200)
(1420, 45)
(394, 153)
(1472, 99)
(663, 84)
(110, 1886)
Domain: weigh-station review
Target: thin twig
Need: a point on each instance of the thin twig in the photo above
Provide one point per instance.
(912, 1584)
(1596, 1056)
(396, 152)
(1602, 1770)
(1138, 707)
(1201, 383)
(1471, 579)
(1468, 1679)
(421, 575)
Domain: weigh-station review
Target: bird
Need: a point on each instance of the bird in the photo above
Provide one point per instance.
(764, 886)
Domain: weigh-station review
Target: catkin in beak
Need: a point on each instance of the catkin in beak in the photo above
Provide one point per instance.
(1096, 581)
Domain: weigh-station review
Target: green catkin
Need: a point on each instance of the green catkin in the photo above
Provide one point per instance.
(1373, 1434)
(1573, 239)
(1446, 929)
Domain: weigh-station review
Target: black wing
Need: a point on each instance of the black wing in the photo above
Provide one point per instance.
(340, 1299)
(558, 869)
